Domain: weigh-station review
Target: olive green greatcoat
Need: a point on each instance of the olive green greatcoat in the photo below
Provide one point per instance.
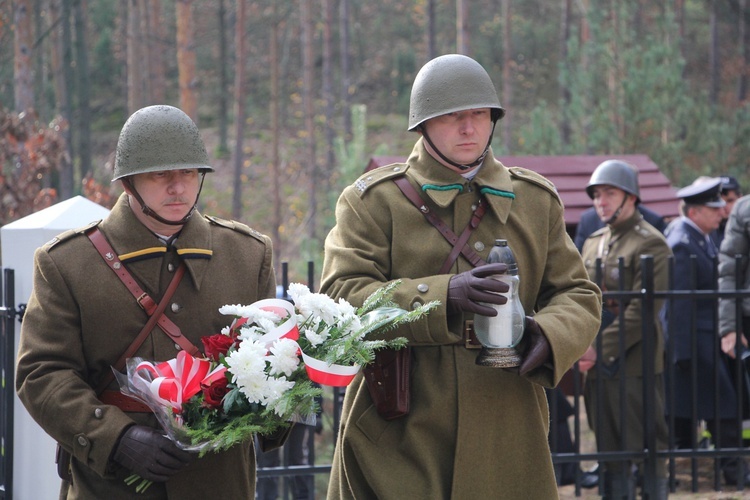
(473, 431)
(630, 240)
(81, 318)
(633, 238)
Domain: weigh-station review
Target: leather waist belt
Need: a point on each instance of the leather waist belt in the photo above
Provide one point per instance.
(123, 402)
(470, 340)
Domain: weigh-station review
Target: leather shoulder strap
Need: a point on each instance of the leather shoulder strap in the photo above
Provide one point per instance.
(458, 243)
(155, 311)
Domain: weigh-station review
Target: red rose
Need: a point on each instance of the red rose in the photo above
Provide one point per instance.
(215, 345)
(213, 394)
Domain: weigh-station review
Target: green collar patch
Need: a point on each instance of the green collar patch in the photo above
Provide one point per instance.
(447, 187)
(497, 192)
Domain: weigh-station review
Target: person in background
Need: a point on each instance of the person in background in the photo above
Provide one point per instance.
(81, 318)
(590, 222)
(701, 209)
(472, 431)
(614, 189)
(733, 328)
(730, 193)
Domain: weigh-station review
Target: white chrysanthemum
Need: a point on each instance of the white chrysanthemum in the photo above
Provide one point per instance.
(346, 308)
(247, 366)
(284, 359)
(318, 305)
(251, 333)
(274, 391)
(314, 337)
(297, 291)
(353, 324)
(231, 309)
(226, 330)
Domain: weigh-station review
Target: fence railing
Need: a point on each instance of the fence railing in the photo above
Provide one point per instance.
(298, 474)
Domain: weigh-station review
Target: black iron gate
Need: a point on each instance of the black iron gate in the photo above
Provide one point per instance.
(7, 385)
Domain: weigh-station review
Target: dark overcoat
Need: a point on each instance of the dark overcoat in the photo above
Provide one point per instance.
(685, 318)
(473, 431)
(81, 318)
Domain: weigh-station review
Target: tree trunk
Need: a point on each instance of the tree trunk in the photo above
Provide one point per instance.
(713, 54)
(41, 76)
(345, 81)
(309, 113)
(156, 60)
(328, 92)
(507, 91)
(275, 135)
(565, 96)
(743, 46)
(83, 124)
(135, 57)
(462, 27)
(23, 74)
(239, 112)
(66, 171)
(679, 18)
(186, 58)
(430, 31)
(223, 147)
(56, 53)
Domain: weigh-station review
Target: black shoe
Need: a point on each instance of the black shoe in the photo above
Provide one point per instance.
(732, 477)
(590, 480)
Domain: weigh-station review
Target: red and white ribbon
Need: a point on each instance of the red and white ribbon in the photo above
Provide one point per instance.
(179, 379)
(288, 328)
(332, 375)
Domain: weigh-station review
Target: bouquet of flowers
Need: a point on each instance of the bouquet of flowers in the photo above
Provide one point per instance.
(333, 336)
(245, 384)
(251, 379)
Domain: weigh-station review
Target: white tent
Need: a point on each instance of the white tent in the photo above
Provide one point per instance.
(34, 473)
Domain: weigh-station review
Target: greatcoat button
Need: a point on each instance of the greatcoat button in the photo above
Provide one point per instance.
(423, 287)
(170, 267)
(176, 307)
(98, 413)
(478, 246)
(415, 305)
(82, 441)
(177, 346)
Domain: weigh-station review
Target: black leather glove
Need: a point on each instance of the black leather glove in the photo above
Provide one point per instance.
(150, 454)
(537, 347)
(468, 288)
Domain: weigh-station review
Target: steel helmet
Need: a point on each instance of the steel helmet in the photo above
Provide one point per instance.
(617, 173)
(157, 138)
(451, 83)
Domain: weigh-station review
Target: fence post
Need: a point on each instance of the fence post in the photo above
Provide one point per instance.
(649, 388)
(8, 383)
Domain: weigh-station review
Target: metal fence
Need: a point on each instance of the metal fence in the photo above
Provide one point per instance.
(291, 477)
(7, 364)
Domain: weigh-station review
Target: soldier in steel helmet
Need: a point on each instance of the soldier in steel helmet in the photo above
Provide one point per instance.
(81, 318)
(614, 189)
(471, 431)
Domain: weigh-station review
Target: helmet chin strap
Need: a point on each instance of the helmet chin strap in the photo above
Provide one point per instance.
(618, 211)
(473, 164)
(150, 212)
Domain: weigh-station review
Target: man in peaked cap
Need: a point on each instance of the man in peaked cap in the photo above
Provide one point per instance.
(701, 208)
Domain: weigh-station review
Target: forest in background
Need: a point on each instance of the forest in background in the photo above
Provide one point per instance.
(313, 89)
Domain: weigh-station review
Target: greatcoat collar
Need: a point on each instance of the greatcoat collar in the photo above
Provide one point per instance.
(130, 238)
(442, 185)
